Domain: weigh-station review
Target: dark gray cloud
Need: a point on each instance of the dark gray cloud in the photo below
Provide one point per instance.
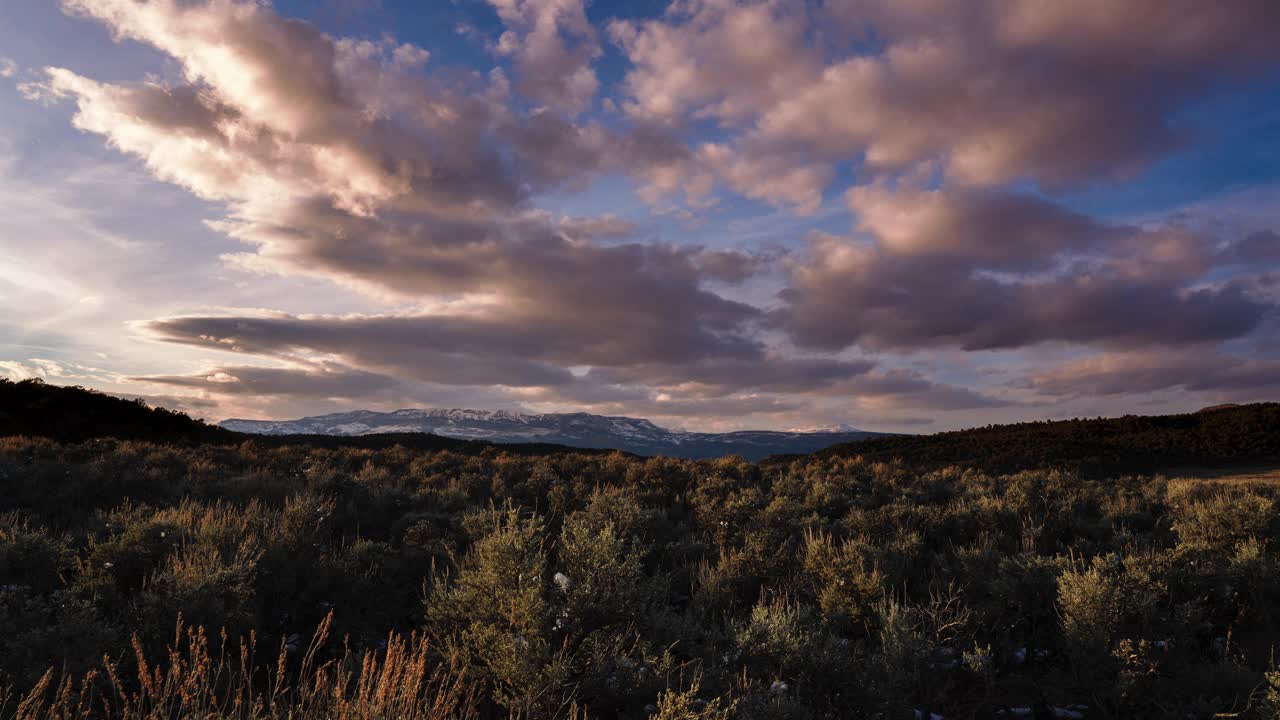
(1262, 248)
(733, 266)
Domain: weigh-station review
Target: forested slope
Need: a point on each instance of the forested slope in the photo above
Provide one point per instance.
(1218, 437)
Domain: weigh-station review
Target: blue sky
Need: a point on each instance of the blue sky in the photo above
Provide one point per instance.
(716, 214)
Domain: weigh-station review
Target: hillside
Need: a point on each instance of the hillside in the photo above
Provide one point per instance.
(1214, 437)
(73, 414)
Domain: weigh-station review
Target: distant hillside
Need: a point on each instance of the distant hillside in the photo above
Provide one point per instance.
(1213, 437)
(578, 430)
(74, 414)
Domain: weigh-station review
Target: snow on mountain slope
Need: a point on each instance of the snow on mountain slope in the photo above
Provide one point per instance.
(573, 429)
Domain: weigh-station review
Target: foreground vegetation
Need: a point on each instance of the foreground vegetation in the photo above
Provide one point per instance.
(236, 579)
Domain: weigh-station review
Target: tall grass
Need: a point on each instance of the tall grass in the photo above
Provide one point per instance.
(403, 682)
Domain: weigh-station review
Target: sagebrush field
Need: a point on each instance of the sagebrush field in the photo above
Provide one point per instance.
(191, 578)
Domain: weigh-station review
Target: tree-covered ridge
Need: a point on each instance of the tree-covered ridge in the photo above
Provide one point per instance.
(1215, 437)
(38, 409)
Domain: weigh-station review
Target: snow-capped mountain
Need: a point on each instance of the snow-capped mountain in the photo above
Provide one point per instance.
(573, 429)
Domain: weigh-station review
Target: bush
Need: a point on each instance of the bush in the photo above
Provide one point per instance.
(599, 585)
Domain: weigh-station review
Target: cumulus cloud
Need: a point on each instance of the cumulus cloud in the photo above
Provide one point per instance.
(338, 162)
(715, 58)
(1058, 93)
(987, 270)
(552, 45)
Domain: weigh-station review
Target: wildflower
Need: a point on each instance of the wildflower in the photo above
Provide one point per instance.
(562, 581)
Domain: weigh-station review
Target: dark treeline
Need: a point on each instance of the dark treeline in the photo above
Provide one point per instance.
(1214, 438)
(400, 582)
(36, 409)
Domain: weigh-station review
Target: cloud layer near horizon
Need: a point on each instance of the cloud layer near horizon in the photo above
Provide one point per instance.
(368, 164)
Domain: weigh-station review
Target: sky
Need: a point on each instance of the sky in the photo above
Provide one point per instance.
(899, 215)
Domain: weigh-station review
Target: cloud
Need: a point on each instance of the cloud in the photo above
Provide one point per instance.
(719, 377)
(717, 59)
(604, 226)
(1224, 376)
(427, 188)
(552, 44)
(526, 364)
(985, 270)
(1059, 93)
(193, 405)
(54, 370)
(733, 266)
(486, 349)
(1261, 247)
(338, 162)
(902, 389)
(324, 381)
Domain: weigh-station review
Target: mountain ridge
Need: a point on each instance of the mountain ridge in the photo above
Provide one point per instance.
(578, 429)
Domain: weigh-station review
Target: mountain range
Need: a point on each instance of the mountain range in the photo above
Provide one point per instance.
(580, 430)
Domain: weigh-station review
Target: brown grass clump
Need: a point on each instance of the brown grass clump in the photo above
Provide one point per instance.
(403, 682)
